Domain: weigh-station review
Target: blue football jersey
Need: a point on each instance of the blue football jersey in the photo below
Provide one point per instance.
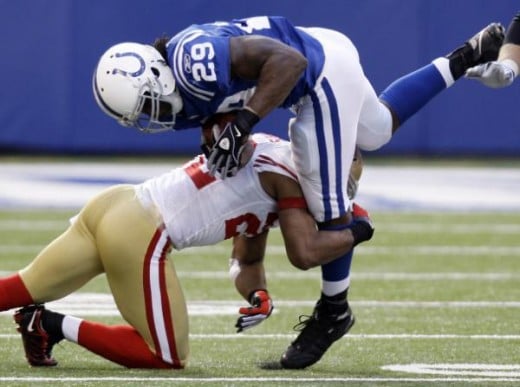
(200, 59)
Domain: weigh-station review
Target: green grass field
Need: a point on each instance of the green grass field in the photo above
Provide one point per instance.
(437, 294)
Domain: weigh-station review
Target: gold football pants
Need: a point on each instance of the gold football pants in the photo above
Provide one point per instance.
(115, 235)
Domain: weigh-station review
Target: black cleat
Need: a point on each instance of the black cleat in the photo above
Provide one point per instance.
(480, 48)
(37, 342)
(317, 333)
(487, 43)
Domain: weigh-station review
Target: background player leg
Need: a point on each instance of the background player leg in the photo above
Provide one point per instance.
(410, 93)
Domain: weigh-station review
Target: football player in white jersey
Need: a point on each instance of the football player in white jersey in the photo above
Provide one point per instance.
(262, 63)
(504, 70)
(128, 232)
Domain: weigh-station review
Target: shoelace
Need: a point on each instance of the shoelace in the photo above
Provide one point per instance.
(303, 321)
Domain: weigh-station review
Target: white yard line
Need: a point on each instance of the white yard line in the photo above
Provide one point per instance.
(100, 304)
(33, 225)
(461, 369)
(400, 227)
(440, 250)
(376, 276)
(249, 380)
(379, 276)
(425, 188)
(288, 336)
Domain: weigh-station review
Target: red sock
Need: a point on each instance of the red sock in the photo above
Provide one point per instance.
(13, 293)
(121, 344)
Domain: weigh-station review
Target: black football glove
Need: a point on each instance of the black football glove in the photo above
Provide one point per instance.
(362, 228)
(205, 148)
(224, 157)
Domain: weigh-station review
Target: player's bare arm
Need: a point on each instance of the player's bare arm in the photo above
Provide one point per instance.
(247, 269)
(249, 255)
(306, 247)
(276, 66)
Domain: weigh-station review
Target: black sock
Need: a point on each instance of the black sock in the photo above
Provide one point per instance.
(52, 322)
(460, 59)
(336, 298)
(334, 306)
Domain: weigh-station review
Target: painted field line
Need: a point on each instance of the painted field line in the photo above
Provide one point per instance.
(174, 379)
(392, 276)
(371, 303)
(33, 225)
(400, 336)
(440, 250)
(359, 336)
(458, 369)
(395, 276)
(452, 228)
(400, 227)
(98, 304)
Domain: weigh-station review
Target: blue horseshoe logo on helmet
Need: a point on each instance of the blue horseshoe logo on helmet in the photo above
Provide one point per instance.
(142, 64)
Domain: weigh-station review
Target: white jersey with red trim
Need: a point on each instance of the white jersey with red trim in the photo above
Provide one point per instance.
(199, 209)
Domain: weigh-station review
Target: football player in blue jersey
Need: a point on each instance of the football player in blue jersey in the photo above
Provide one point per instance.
(504, 70)
(262, 63)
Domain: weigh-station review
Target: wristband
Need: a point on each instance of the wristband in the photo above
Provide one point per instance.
(245, 119)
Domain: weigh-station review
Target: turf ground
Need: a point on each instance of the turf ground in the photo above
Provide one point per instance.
(436, 297)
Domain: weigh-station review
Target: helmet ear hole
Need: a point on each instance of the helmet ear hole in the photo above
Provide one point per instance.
(156, 71)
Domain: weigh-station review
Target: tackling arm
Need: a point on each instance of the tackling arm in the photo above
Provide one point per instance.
(250, 280)
(248, 254)
(305, 245)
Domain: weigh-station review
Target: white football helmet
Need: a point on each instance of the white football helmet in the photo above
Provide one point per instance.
(133, 84)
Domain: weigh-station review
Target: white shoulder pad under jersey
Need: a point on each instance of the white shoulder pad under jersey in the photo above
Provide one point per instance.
(199, 209)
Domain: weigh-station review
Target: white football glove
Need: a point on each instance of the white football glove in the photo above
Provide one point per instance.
(492, 74)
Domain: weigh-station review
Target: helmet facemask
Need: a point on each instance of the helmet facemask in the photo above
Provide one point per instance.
(154, 112)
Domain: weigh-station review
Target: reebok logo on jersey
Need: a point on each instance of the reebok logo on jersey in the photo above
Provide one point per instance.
(187, 63)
